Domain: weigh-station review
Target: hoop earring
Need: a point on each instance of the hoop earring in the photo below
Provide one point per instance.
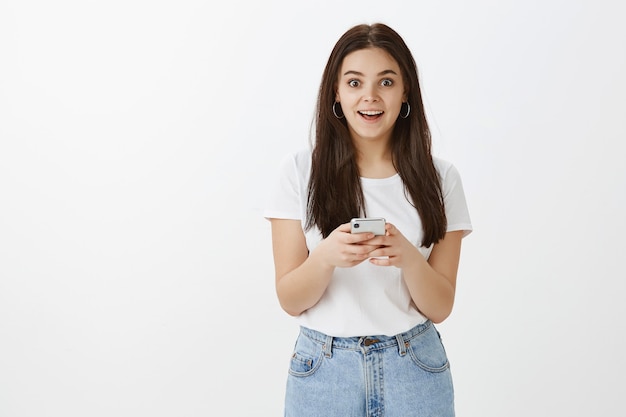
(335, 111)
(408, 110)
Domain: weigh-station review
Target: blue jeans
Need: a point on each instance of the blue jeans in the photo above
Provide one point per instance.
(407, 375)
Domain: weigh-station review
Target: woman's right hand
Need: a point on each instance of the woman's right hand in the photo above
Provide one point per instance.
(302, 276)
(344, 249)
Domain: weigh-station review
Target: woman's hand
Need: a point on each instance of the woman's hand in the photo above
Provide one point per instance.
(302, 277)
(393, 249)
(344, 249)
(432, 282)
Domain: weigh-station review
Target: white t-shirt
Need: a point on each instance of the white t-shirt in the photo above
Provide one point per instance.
(366, 299)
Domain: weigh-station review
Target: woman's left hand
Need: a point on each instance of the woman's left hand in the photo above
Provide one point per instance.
(394, 249)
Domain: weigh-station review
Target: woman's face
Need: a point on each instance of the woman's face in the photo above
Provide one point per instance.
(371, 92)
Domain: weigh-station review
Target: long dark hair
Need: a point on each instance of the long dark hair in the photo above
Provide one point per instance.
(335, 193)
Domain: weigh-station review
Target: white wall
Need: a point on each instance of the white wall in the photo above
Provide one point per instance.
(136, 141)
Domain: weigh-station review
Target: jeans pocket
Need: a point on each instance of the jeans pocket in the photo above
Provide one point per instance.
(306, 358)
(427, 351)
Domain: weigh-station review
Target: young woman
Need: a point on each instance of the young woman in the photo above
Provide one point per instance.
(366, 303)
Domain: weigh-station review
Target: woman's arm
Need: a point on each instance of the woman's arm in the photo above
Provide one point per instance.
(302, 278)
(432, 283)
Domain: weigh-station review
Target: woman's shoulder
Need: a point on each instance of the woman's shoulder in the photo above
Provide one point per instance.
(300, 159)
(302, 156)
(442, 165)
(447, 171)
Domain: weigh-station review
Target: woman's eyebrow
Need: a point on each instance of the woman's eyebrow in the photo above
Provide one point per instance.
(360, 74)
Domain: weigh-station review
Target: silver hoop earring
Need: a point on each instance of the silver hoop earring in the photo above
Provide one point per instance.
(335, 111)
(408, 110)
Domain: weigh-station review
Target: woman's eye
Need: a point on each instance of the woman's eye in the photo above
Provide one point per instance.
(353, 83)
(386, 82)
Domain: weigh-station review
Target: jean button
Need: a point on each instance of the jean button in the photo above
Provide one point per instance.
(369, 342)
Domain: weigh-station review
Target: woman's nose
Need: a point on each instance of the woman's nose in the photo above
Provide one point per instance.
(370, 94)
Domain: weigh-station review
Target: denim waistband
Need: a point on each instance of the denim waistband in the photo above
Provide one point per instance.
(368, 342)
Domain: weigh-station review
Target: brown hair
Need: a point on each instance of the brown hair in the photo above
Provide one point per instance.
(335, 193)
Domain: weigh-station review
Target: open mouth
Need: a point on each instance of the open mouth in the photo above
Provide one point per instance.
(371, 114)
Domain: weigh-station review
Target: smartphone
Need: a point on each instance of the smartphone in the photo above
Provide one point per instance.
(375, 225)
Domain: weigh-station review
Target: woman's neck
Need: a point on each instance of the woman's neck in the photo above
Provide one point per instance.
(375, 162)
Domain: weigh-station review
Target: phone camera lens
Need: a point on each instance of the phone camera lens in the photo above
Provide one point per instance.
(356, 225)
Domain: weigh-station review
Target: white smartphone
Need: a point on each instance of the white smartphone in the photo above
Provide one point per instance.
(375, 225)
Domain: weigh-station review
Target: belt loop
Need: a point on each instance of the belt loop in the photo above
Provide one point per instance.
(401, 345)
(328, 347)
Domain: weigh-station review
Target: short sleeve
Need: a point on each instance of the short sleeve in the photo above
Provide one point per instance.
(284, 200)
(457, 213)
